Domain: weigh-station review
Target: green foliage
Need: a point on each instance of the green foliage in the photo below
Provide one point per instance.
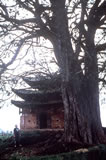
(5, 142)
(4, 137)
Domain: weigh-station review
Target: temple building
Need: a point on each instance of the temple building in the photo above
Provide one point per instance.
(42, 106)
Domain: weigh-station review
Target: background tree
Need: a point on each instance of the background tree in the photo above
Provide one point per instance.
(38, 64)
(76, 29)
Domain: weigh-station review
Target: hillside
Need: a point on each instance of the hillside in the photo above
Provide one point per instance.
(47, 143)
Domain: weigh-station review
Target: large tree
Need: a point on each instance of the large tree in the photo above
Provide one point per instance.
(76, 29)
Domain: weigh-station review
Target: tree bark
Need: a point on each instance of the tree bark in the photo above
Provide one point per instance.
(79, 91)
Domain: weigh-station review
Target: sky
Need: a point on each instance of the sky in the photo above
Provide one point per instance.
(103, 115)
(9, 117)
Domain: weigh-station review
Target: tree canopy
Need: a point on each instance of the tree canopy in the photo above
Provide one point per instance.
(77, 32)
(23, 22)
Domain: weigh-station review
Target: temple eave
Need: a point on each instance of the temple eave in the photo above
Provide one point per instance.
(45, 83)
(29, 95)
(23, 104)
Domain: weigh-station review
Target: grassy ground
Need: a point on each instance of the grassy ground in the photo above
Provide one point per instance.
(4, 137)
(93, 153)
(48, 146)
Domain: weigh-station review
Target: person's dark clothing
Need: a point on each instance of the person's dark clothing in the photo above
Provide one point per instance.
(17, 136)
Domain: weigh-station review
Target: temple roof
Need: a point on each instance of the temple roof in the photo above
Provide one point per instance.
(46, 92)
(38, 96)
(29, 105)
(43, 83)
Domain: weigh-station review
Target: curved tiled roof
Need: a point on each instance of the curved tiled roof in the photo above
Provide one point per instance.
(38, 96)
(43, 83)
(32, 105)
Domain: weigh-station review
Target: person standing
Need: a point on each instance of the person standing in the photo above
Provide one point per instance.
(17, 136)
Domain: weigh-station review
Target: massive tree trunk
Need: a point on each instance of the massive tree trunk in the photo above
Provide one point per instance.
(79, 90)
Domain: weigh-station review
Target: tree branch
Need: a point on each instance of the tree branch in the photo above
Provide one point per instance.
(4, 66)
(96, 13)
(101, 47)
